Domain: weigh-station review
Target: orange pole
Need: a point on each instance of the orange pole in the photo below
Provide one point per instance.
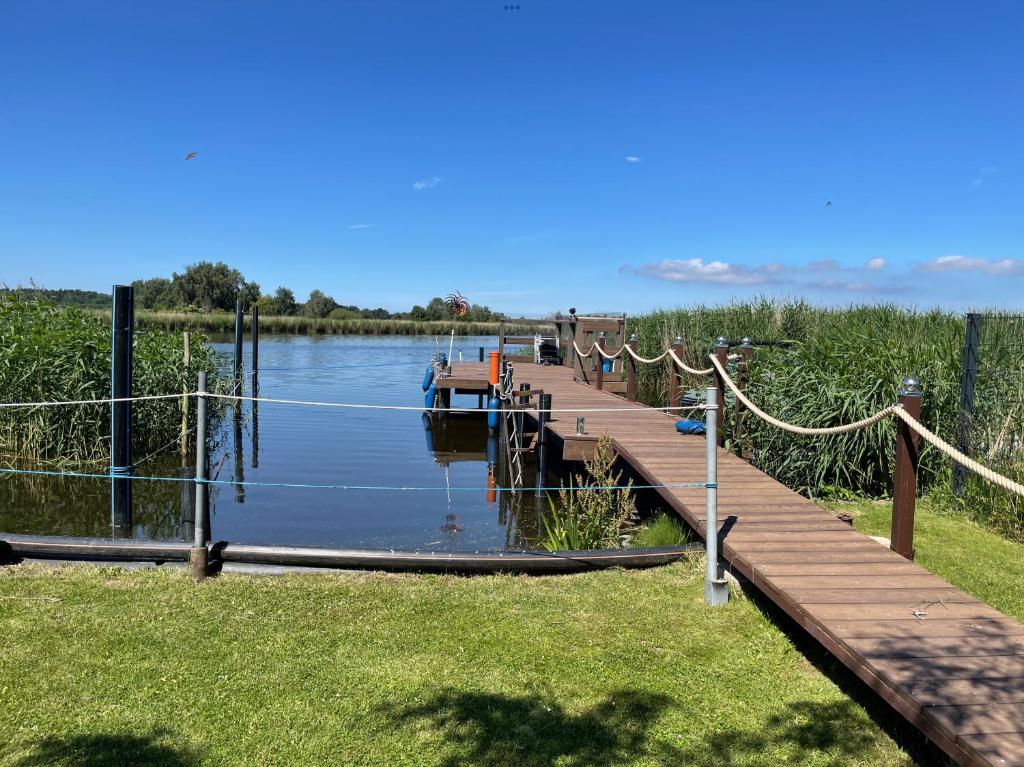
(495, 369)
(492, 488)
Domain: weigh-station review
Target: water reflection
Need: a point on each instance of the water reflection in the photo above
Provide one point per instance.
(462, 500)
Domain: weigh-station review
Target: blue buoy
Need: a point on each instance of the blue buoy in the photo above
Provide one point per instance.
(606, 366)
(492, 450)
(428, 377)
(430, 396)
(493, 406)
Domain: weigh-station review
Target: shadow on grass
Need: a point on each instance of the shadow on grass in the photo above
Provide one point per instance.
(490, 730)
(108, 750)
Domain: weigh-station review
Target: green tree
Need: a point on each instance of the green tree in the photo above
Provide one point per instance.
(284, 302)
(319, 304)
(250, 294)
(208, 286)
(156, 293)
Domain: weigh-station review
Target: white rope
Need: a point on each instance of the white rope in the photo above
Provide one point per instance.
(107, 401)
(804, 430)
(581, 353)
(687, 368)
(644, 360)
(510, 395)
(944, 447)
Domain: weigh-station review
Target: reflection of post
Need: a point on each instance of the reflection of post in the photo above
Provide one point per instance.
(187, 525)
(239, 457)
(255, 432)
(122, 322)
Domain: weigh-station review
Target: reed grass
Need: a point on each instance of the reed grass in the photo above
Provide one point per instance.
(845, 364)
(50, 353)
(224, 322)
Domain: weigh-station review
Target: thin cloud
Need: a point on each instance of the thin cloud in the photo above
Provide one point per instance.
(696, 270)
(876, 264)
(856, 286)
(361, 226)
(983, 174)
(1003, 266)
(823, 265)
(632, 158)
(427, 183)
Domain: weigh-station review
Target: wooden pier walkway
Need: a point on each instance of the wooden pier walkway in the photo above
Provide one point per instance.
(950, 664)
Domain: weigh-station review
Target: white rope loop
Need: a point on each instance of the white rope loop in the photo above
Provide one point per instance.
(692, 371)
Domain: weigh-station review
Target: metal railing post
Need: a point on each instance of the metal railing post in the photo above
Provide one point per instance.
(198, 556)
(716, 590)
(602, 339)
(722, 353)
(904, 485)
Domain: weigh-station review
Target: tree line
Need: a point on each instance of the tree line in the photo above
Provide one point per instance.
(210, 287)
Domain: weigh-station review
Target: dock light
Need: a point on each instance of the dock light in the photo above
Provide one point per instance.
(679, 341)
(721, 341)
(745, 342)
(632, 338)
(911, 387)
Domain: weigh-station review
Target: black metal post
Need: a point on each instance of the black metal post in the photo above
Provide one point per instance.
(543, 416)
(122, 329)
(968, 382)
(255, 346)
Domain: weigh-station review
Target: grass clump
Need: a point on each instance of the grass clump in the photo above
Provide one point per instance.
(663, 530)
(50, 353)
(591, 516)
(577, 671)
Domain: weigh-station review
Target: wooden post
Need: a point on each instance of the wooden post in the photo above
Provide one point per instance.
(501, 341)
(602, 339)
(904, 489)
(577, 364)
(722, 354)
(631, 371)
(743, 449)
(674, 373)
(186, 341)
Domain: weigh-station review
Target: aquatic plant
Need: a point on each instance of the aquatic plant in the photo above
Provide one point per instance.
(591, 515)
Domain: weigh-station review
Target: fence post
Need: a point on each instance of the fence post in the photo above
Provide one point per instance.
(602, 339)
(631, 371)
(968, 381)
(198, 554)
(722, 354)
(904, 490)
(746, 350)
(716, 590)
(674, 375)
(543, 415)
(239, 330)
(122, 328)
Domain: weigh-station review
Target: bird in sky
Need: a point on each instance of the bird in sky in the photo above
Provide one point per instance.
(828, 204)
(191, 155)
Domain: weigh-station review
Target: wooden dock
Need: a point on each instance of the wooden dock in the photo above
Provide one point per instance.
(950, 664)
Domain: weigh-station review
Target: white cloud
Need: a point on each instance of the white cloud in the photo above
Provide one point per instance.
(427, 183)
(632, 158)
(1003, 266)
(875, 264)
(856, 286)
(983, 173)
(696, 270)
(361, 226)
(823, 265)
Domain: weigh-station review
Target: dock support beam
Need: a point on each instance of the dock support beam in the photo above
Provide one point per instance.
(904, 486)
(122, 326)
(543, 415)
(198, 554)
(716, 590)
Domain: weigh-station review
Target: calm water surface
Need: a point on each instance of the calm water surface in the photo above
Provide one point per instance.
(302, 444)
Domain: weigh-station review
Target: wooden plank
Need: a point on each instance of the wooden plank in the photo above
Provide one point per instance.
(937, 692)
(906, 670)
(937, 647)
(976, 719)
(1002, 749)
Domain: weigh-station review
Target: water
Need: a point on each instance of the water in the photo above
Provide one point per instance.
(303, 444)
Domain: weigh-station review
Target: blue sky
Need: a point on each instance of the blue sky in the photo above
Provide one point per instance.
(611, 156)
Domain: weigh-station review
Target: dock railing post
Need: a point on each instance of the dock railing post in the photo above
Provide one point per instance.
(743, 449)
(904, 485)
(198, 555)
(679, 349)
(480, 397)
(239, 331)
(631, 371)
(722, 353)
(716, 590)
(543, 415)
(602, 339)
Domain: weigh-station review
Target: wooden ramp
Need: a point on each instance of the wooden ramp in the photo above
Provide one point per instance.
(950, 664)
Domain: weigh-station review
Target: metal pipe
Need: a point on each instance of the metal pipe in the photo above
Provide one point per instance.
(122, 327)
(198, 553)
(716, 591)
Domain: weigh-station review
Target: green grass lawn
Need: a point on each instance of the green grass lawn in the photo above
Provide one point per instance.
(972, 558)
(110, 667)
